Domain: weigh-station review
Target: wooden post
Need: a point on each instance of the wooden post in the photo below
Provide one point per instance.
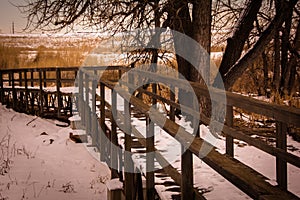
(9, 78)
(26, 90)
(20, 78)
(46, 94)
(58, 94)
(87, 106)
(229, 139)
(31, 78)
(14, 93)
(120, 75)
(41, 92)
(281, 166)
(80, 97)
(94, 116)
(21, 106)
(114, 138)
(128, 163)
(45, 78)
(187, 181)
(172, 98)
(102, 122)
(150, 159)
(1, 87)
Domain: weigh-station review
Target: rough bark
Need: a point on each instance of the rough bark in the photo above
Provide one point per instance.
(202, 34)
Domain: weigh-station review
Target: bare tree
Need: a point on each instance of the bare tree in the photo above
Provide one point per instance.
(194, 18)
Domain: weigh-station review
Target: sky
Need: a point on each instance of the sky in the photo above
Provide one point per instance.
(9, 14)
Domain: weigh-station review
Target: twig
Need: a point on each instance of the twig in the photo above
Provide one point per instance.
(31, 121)
(11, 119)
(29, 176)
(40, 191)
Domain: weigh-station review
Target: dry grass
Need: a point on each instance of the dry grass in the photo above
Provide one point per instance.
(27, 52)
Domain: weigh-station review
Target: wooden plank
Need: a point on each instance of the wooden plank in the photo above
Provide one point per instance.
(281, 165)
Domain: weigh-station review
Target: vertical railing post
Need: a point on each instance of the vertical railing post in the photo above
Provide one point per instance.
(10, 78)
(1, 87)
(41, 107)
(281, 166)
(114, 138)
(229, 139)
(14, 93)
(128, 163)
(150, 152)
(45, 78)
(20, 78)
(172, 98)
(150, 149)
(26, 90)
(31, 78)
(80, 97)
(102, 122)
(58, 94)
(32, 93)
(187, 181)
(94, 116)
(87, 105)
(45, 94)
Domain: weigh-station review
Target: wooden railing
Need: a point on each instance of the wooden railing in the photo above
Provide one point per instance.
(238, 173)
(38, 90)
(25, 90)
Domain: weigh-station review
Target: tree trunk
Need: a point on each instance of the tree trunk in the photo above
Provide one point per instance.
(235, 44)
(201, 24)
(276, 72)
(291, 71)
(249, 58)
(285, 67)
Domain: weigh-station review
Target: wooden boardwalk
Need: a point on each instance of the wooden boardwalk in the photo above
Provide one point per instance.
(94, 117)
(43, 92)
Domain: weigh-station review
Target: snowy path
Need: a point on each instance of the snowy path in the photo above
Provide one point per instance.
(44, 163)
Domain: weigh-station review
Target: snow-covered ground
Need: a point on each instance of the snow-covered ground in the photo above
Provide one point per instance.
(39, 161)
